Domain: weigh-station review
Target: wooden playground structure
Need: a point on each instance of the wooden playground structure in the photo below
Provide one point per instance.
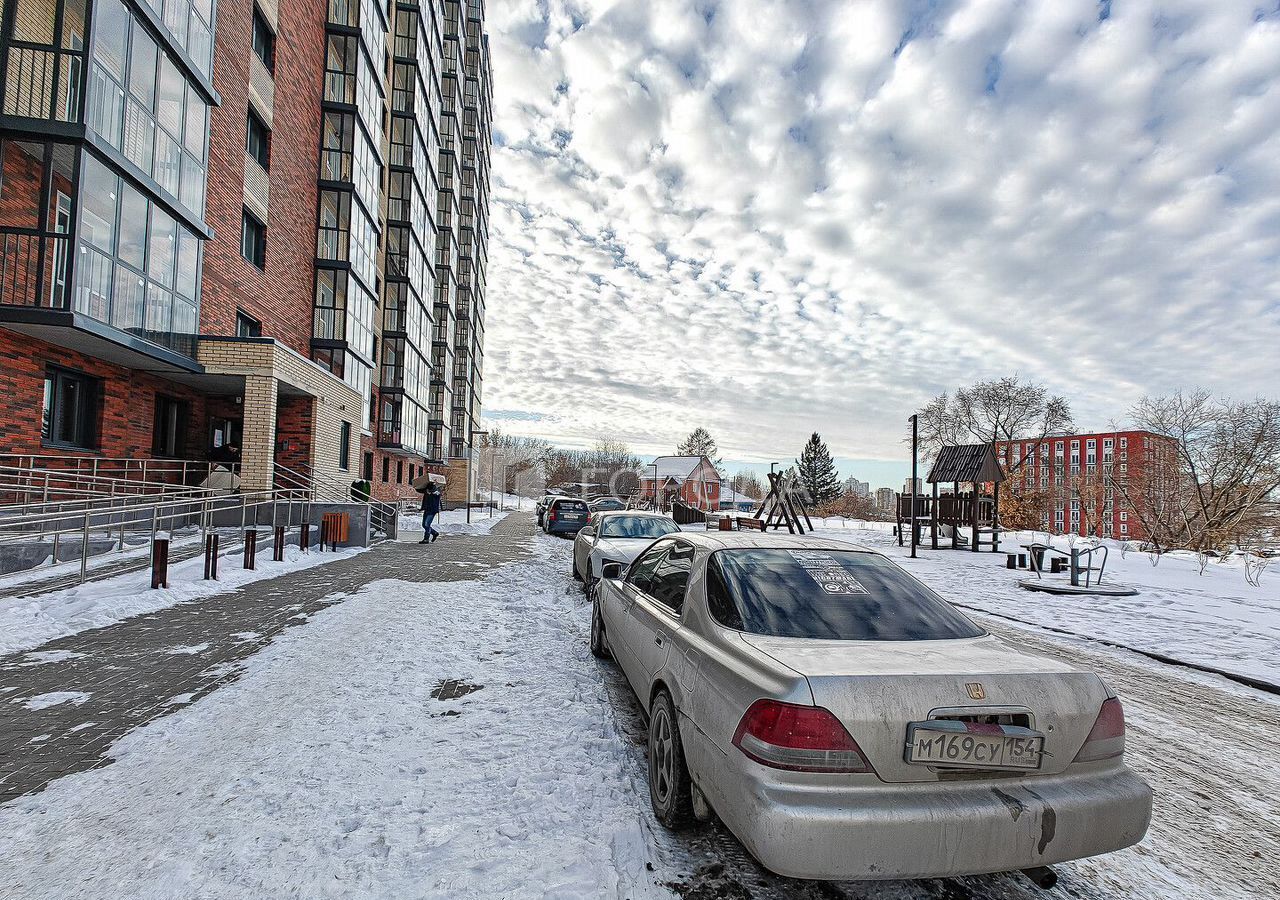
(784, 504)
(944, 515)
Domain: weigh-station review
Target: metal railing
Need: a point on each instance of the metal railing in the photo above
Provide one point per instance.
(383, 517)
(72, 546)
(159, 471)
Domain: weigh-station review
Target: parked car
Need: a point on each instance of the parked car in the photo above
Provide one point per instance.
(846, 722)
(565, 515)
(615, 537)
(607, 504)
(541, 506)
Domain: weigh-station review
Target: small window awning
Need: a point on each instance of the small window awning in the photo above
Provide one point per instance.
(971, 463)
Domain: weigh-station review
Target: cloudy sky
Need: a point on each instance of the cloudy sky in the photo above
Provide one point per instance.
(770, 217)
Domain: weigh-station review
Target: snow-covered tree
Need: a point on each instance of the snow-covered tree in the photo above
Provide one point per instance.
(700, 443)
(817, 472)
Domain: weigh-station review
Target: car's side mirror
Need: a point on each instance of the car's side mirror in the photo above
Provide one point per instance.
(587, 532)
(611, 571)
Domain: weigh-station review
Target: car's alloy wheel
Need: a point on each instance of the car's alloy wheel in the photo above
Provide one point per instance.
(670, 790)
(599, 642)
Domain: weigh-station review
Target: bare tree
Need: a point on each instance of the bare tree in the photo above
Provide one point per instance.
(1004, 409)
(748, 483)
(1210, 487)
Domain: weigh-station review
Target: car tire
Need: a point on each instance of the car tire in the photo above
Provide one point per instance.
(670, 788)
(599, 641)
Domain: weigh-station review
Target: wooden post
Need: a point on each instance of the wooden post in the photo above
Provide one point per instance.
(955, 516)
(250, 548)
(211, 558)
(933, 516)
(973, 516)
(277, 549)
(995, 520)
(159, 563)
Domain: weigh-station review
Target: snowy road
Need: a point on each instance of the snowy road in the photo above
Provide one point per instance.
(458, 740)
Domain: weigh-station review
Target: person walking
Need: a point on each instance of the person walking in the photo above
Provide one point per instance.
(430, 509)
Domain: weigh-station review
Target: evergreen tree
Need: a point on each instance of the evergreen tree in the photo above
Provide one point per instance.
(700, 443)
(817, 472)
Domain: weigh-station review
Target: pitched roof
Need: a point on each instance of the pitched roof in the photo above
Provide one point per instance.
(675, 466)
(967, 462)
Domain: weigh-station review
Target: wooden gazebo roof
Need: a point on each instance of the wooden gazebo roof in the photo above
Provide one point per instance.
(972, 463)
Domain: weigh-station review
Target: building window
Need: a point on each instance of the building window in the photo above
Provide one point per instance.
(386, 470)
(264, 42)
(253, 241)
(70, 417)
(169, 437)
(247, 326)
(344, 446)
(259, 141)
(366, 471)
(399, 471)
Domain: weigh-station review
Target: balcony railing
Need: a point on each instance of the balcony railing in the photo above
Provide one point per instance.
(33, 269)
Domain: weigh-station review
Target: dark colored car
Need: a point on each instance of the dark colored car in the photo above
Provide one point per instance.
(607, 504)
(565, 515)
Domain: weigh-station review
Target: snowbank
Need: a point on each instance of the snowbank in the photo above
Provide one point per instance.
(27, 622)
(1216, 619)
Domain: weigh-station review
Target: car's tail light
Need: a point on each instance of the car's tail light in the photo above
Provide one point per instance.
(798, 738)
(551, 515)
(1106, 738)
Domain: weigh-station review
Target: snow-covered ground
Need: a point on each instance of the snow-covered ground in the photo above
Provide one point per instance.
(28, 622)
(328, 769)
(457, 740)
(1216, 619)
(453, 521)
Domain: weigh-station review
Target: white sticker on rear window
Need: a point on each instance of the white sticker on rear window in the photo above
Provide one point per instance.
(827, 572)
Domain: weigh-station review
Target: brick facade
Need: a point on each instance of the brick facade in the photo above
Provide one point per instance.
(281, 296)
(128, 400)
(1079, 475)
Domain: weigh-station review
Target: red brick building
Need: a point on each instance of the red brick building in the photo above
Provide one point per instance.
(229, 226)
(1084, 478)
(692, 479)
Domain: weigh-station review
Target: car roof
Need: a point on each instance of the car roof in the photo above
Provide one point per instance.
(727, 540)
(614, 513)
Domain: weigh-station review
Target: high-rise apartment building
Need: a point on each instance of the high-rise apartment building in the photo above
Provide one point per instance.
(260, 223)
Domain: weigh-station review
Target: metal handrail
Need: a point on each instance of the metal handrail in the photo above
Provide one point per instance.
(80, 500)
(154, 519)
(326, 488)
(124, 467)
(1075, 555)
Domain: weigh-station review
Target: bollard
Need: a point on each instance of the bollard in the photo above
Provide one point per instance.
(211, 558)
(250, 547)
(278, 548)
(160, 563)
(324, 532)
(304, 539)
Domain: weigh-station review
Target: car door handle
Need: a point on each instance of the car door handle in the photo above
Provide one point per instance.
(658, 640)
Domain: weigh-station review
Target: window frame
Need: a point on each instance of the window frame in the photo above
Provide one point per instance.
(344, 446)
(88, 425)
(259, 258)
(264, 50)
(181, 409)
(260, 149)
(247, 326)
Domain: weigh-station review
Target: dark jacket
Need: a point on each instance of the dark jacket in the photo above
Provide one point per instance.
(431, 502)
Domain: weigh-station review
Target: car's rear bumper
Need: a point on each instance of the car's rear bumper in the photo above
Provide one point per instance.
(565, 527)
(936, 830)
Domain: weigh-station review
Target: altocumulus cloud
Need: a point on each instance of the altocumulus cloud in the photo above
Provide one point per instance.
(773, 216)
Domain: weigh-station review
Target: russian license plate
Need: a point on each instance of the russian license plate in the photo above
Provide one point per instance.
(951, 744)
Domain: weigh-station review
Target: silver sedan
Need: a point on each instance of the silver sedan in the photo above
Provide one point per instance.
(616, 537)
(846, 722)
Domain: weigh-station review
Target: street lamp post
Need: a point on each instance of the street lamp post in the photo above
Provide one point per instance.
(656, 505)
(471, 464)
(915, 440)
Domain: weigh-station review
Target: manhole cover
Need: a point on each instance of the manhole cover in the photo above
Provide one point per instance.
(453, 688)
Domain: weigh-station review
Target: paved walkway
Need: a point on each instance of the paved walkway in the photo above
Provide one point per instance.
(117, 678)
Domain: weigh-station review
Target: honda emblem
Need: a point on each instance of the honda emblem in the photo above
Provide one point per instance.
(976, 691)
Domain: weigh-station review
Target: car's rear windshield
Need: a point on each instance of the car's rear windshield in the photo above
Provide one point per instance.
(636, 527)
(842, 595)
(572, 506)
